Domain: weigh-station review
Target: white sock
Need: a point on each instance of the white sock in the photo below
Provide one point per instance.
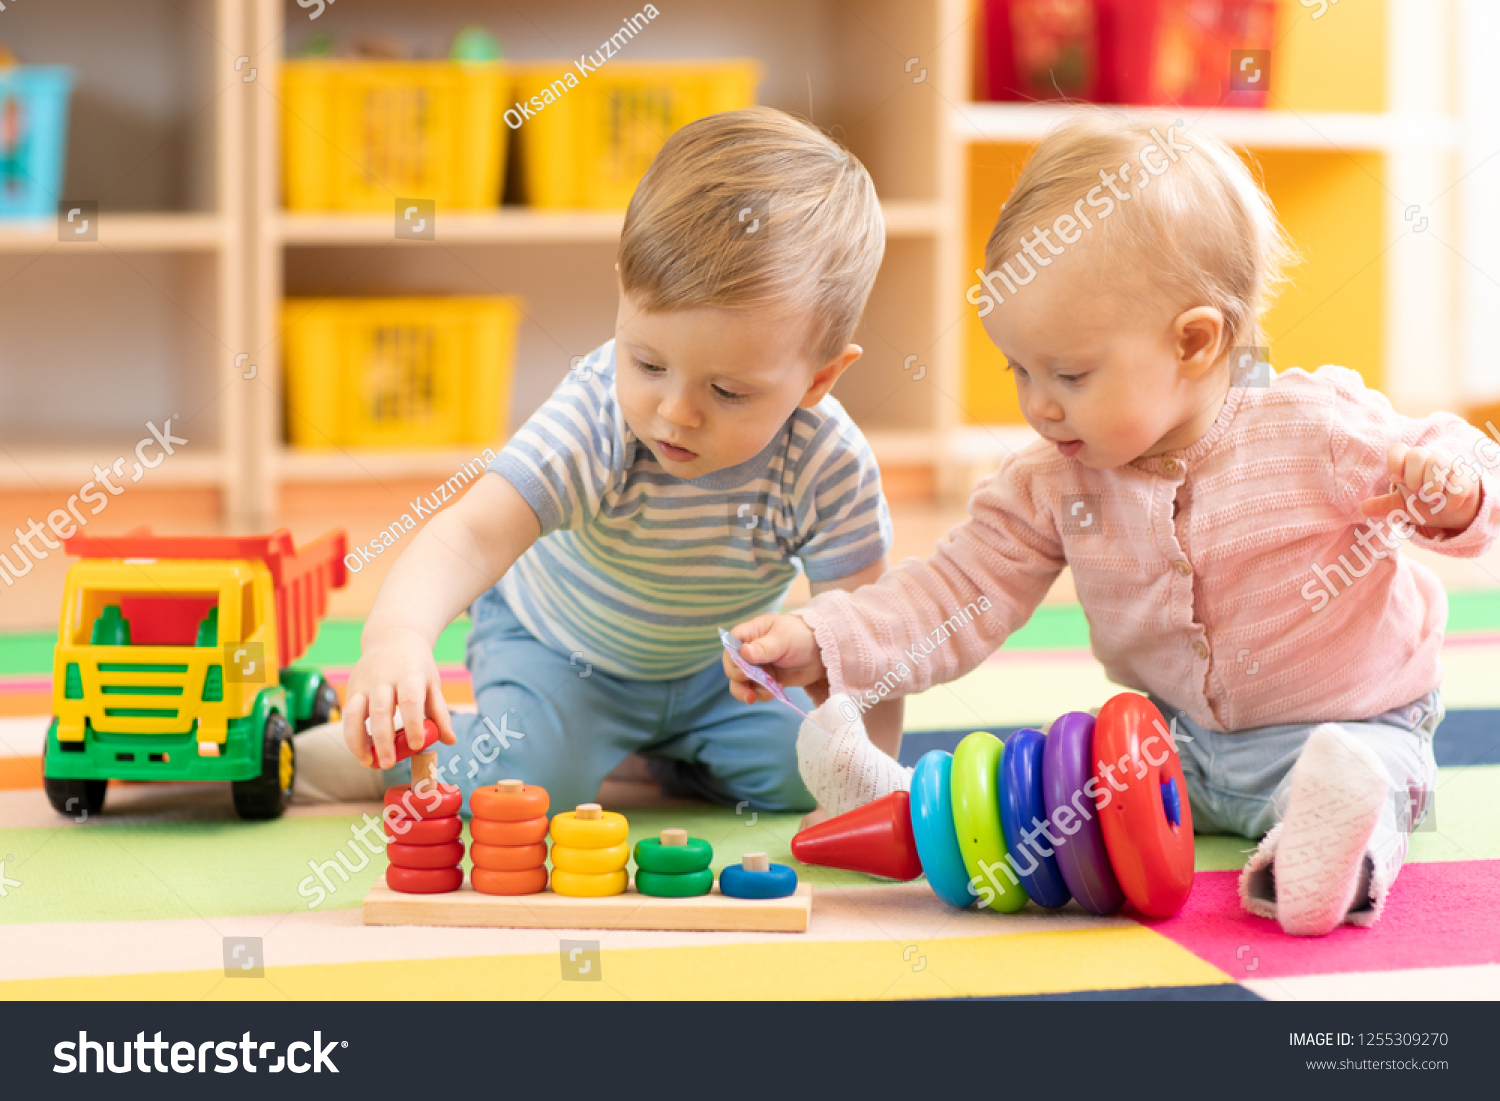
(1319, 849)
(839, 764)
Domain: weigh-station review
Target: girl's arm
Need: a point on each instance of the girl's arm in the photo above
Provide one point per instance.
(883, 721)
(462, 551)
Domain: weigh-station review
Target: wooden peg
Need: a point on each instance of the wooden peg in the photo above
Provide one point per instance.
(511, 787)
(424, 770)
(588, 812)
(756, 862)
(674, 837)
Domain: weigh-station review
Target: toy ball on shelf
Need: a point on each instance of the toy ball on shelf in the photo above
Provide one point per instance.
(474, 44)
(1095, 810)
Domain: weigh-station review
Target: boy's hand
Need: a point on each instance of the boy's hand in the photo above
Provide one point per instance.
(395, 672)
(786, 647)
(1447, 492)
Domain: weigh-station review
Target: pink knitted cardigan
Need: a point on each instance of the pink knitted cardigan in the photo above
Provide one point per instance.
(1236, 579)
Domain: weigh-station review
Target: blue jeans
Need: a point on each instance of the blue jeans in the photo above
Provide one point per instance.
(548, 719)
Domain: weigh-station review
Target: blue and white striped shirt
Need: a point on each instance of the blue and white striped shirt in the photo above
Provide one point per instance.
(638, 568)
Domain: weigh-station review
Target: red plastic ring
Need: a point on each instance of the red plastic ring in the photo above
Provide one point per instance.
(1134, 755)
(447, 855)
(420, 805)
(430, 831)
(423, 881)
(507, 858)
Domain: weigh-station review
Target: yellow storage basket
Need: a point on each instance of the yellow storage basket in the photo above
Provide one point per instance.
(398, 372)
(357, 135)
(591, 144)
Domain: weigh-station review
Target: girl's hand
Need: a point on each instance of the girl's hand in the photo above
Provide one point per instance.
(785, 646)
(1438, 493)
(395, 672)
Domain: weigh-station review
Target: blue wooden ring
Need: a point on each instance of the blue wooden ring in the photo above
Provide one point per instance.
(777, 882)
(1023, 810)
(1067, 768)
(937, 837)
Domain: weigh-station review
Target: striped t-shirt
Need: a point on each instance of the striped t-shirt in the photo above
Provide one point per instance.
(638, 568)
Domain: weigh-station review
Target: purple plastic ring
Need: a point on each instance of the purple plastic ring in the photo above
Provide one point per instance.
(1067, 766)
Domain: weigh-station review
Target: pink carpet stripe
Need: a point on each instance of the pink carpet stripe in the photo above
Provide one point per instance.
(1437, 915)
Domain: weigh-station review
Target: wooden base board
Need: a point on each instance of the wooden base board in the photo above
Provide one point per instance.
(631, 910)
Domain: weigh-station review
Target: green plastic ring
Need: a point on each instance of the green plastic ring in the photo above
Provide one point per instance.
(976, 818)
(652, 856)
(684, 885)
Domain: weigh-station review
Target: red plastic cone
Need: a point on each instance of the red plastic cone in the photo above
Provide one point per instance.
(875, 838)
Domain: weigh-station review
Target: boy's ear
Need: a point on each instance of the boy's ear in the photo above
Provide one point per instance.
(828, 374)
(1198, 334)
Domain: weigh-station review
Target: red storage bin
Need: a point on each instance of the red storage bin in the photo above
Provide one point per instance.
(1039, 50)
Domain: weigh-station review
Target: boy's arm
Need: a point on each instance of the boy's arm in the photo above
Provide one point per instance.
(883, 721)
(461, 552)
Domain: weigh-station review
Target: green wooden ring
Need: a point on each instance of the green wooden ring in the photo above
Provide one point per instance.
(652, 856)
(976, 818)
(684, 885)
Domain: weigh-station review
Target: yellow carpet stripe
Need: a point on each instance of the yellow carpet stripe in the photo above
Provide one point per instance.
(1022, 963)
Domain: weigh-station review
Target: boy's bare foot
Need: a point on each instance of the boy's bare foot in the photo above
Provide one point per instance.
(812, 818)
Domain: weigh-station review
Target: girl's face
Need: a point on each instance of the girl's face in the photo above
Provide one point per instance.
(1106, 374)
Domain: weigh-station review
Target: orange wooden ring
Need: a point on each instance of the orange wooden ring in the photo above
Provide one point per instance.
(507, 858)
(489, 882)
(508, 806)
(448, 855)
(490, 832)
(419, 806)
(430, 831)
(423, 881)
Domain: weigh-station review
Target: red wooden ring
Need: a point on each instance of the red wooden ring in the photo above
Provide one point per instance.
(508, 806)
(420, 807)
(489, 832)
(429, 831)
(423, 881)
(1152, 857)
(447, 855)
(489, 882)
(507, 858)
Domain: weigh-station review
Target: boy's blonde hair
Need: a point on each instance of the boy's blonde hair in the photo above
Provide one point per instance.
(1200, 233)
(691, 238)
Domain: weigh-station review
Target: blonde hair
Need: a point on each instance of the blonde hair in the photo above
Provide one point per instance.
(691, 237)
(1200, 232)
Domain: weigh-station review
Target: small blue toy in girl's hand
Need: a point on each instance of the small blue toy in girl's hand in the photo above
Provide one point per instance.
(756, 673)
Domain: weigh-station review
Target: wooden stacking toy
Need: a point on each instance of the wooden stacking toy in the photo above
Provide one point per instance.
(1019, 821)
(422, 842)
(756, 877)
(589, 852)
(508, 828)
(674, 865)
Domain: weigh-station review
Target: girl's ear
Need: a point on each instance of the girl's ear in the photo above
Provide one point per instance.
(828, 374)
(1198, 334)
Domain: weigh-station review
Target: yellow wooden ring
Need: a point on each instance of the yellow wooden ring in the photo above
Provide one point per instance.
(579, 885)
(589, 833)
(590, 861)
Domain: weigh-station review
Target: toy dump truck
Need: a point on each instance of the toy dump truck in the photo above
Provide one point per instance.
(174, 663)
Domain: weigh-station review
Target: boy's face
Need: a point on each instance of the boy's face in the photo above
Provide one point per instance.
(707, 389)
(1100, 370)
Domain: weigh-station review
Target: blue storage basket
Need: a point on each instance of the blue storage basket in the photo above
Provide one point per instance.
(33, 138)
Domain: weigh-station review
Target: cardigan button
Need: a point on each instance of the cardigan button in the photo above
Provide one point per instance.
(1170, 465)
(1200, 649)
(1182, 567)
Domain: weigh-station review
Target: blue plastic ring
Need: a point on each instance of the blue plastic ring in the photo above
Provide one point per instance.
(937, 837)
(1022, 808)
(778, 882)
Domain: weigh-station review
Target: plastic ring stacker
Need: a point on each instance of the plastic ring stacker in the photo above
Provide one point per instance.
(579, 885)
(932, 824)
(429, 831)
(652, 856)
(419, 805)
(1067, 767)
(423, 881)
(507, 858)
(1023, 812)
(976, 818)
(447, 855)
(497, 805)
(589, 833)
(491, 832)
(778, 881)
(675, 884)
(529, 882)
(1152, 855)
(611, 858)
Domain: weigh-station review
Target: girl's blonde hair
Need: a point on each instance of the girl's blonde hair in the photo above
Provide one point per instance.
(1200, 232)
(756, 208)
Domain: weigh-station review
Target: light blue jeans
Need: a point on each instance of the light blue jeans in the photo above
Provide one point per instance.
(548, 720)
(1239, 782)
